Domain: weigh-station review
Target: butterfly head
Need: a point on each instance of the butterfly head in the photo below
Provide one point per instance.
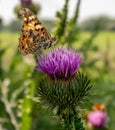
(54, 40)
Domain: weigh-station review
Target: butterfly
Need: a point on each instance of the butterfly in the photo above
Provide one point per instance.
(34, 36)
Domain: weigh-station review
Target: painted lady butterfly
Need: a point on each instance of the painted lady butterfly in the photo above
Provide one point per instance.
(34, 35)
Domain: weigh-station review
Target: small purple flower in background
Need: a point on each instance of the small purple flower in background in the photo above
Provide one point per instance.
(26, 2)
(60, 63)
(97, 118)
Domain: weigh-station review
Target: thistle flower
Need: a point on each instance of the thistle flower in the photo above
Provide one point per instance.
(60, 63)
(67, 89)
(97, 118)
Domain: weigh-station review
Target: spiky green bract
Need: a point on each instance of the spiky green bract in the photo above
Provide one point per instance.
(66, 96)
(63, 94)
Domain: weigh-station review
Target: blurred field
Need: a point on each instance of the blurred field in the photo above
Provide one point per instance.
(10, 40)
(104, 81)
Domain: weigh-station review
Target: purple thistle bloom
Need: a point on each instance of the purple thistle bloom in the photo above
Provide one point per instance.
(97, 118)
(60, 63)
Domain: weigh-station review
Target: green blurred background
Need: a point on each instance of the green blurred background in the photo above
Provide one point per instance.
(94, 37)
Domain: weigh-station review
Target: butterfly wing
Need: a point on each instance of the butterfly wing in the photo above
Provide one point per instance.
(34, 35)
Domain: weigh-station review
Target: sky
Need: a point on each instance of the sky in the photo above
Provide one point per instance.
(88, 8)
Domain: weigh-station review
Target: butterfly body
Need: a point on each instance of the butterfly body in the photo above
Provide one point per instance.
(34, 35)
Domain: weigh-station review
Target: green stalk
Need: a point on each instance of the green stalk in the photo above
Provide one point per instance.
(72, 24)
(78, 124)
(61, 26)
(71, 120)
(67, 120)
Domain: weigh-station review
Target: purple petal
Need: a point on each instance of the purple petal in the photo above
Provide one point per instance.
(60, 63)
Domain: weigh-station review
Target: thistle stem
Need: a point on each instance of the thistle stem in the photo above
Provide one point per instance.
(78, 124)
(71, 120)
(67, 120)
